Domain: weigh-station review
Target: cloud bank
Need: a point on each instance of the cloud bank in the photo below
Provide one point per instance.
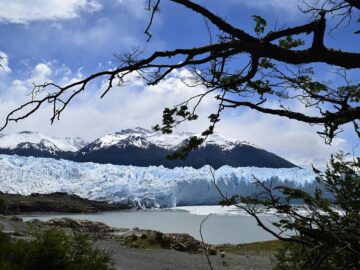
(19, 11)
(285, 10)
(140, 105)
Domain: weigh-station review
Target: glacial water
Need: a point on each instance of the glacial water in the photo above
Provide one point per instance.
(225, 225)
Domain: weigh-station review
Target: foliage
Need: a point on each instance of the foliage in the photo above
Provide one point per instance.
(260, 24)
(325, 232)
(289, 42)
(52, 250)
(145, 241)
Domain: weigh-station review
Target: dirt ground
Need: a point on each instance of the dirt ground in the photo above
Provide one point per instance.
(162, 259)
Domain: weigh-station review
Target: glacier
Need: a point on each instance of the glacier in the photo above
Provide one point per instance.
(143, 187)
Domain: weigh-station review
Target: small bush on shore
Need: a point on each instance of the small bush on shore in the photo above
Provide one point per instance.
(52, 250)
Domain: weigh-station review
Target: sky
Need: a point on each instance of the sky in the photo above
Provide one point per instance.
(63, 41)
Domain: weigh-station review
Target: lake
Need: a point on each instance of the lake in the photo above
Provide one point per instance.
(224, 225)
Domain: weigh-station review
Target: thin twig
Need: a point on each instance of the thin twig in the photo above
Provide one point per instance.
(203, 243)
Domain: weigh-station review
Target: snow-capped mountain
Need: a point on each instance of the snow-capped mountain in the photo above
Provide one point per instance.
(143, 138)
(139, 137)
(29, 143)
(141, 186)
(141, 147)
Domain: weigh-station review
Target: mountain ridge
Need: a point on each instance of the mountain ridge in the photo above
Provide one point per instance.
(142, 147)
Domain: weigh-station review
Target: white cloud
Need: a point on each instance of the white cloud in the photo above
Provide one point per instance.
(18, 90)
(140, 105)
(20, 11)
(295, 141)
(101, 33)
(56, 26)
(288, 9)
(277, 4)
(4, 63)
(41, 72)
(136, 7)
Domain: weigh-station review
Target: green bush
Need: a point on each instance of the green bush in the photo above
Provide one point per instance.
(328, 236)
(134, 237)
(52, 250)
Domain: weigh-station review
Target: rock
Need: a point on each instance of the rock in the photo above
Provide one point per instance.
(212, 251)
(53, 202)
(178, 246)
(12, 218)
(3, 207)
(76, 225)
(178, 242)
(21, 234)
(181, 242)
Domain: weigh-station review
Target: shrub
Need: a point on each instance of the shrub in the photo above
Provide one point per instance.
(134, 237)
(52, 250)
(327, 235)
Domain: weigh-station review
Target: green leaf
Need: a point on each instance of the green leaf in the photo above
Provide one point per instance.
(289, 42)
(260, 24)
(266, 63)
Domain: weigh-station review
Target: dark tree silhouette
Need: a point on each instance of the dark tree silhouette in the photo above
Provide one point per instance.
(323, 233)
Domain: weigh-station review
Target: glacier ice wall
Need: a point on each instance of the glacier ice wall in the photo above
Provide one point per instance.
(141, 186)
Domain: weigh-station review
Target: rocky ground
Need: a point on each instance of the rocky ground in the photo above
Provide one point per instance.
(53, 202)
(135, 249)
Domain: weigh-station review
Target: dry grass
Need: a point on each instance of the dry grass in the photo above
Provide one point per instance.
(266, 246)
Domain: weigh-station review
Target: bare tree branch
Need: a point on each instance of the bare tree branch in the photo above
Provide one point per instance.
(221, 66)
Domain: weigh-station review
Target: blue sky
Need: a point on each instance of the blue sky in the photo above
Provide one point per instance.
(61, 41)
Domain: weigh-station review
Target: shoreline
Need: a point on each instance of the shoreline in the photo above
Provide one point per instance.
(131, 248)
(135, 249)
(57, 202)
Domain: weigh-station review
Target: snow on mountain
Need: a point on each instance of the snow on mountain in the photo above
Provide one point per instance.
(70, 144)
(141, 186)
(143, 138)
(141, 147)
(224, 143)
(27, 139)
